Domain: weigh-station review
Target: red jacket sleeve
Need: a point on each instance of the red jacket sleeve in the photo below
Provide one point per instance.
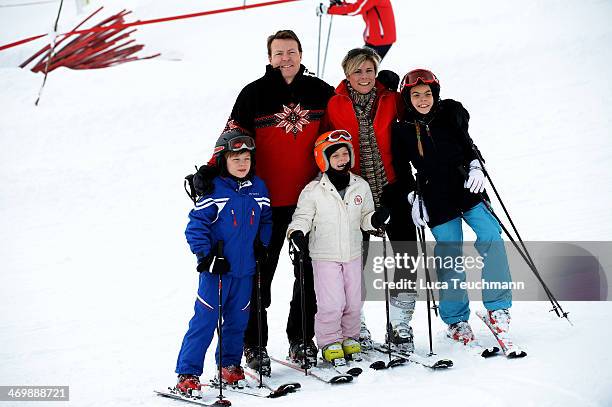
(351, 9)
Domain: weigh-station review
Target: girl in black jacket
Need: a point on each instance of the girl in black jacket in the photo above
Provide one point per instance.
(433, 136)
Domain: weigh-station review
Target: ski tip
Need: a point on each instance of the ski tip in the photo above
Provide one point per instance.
(284, 389)
(341, 379)
(516, 354)
(355, 371)
(443, 364)
(378, 365)
(488, 352)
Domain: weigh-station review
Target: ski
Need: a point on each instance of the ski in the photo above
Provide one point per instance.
(252, 389)
(326, 375)
(477, 348)
(373, 360)
(343, 366)
(426, 361)
(506, 343)
(194, 399)
(272, 384)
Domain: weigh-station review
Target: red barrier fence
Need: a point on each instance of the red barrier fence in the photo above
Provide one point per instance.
(145, 22)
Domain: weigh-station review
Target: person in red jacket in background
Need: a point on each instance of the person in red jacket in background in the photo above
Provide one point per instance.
(367, 109)
(378, 15)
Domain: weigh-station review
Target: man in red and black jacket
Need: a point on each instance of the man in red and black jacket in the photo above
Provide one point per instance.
(282, 111)
(378, 15)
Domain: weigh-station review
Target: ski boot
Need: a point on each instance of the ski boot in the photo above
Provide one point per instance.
(461, 332)
(251, 354)
(351, 349)
(233, 375)
(401, 309)
(297, 352)
(334, 354)
(365, 337)
(500, 319)
(402, 338)
(188, 384)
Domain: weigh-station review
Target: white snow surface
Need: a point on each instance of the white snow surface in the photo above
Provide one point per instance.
(97, 283)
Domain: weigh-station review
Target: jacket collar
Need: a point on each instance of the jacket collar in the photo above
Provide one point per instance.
(234, 184)
(276, 75)
(342, 88)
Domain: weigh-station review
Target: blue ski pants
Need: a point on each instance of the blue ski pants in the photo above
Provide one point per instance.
(454, 302)
(236, 296)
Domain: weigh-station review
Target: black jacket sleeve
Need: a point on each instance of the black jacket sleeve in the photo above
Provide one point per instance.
(400, 154)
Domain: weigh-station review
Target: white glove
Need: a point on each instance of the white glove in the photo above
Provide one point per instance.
(476, 178)
(321, 9)
(417, 204)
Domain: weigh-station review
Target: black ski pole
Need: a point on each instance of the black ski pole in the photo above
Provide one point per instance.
(219, 323)
(429, 290)
(303, 304)
(293, 252)
(259, 339)
(526, 256)
(524, 253)
(386, 277)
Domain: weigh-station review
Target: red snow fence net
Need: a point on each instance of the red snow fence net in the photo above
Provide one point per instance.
(105, 44)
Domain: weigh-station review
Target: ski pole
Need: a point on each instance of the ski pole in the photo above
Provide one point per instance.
(53, 43)
(524, 253)
(219, 322)
(319, 41)
(386, 277)
(293, 252)
(327, 46)
(526, 256)
(429, 290)
(259, 339)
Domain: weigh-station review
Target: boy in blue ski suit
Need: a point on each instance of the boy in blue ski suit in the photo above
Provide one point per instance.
(228, 230)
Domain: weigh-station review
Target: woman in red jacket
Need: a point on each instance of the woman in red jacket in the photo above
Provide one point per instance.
(379, 33)
(367, 109)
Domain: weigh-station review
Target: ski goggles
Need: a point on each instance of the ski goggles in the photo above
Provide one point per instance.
(241, 143)
(334, 136)
(419, 75)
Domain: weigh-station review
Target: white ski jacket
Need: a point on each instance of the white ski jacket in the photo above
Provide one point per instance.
(334, 223)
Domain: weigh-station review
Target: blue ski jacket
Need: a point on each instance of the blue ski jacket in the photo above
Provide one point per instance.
(235, 212)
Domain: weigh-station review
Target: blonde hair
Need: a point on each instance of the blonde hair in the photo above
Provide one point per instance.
(357, 56)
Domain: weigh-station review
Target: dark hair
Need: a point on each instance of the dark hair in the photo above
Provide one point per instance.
(283, 35)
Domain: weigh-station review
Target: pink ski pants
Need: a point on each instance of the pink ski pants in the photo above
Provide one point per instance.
(338, 290)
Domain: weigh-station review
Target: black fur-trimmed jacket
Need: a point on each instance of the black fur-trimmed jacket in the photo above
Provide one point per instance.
(445, 146)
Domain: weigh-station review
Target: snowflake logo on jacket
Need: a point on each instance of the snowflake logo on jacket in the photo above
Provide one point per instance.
(292, 118)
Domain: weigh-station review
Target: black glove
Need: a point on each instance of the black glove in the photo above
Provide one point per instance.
(380, 217)
(299, 240)
(215, 264)
(335, 2)
(261, 251)
(203, 179)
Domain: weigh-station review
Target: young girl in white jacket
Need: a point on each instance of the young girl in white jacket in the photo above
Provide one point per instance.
(333, 209)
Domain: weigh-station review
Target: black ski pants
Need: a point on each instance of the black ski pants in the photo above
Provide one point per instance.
(281, 217)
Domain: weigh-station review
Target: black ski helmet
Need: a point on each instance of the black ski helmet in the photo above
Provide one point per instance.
(419, 76)
(233, 139)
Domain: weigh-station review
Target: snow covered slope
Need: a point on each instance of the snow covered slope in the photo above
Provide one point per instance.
(97, 282)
